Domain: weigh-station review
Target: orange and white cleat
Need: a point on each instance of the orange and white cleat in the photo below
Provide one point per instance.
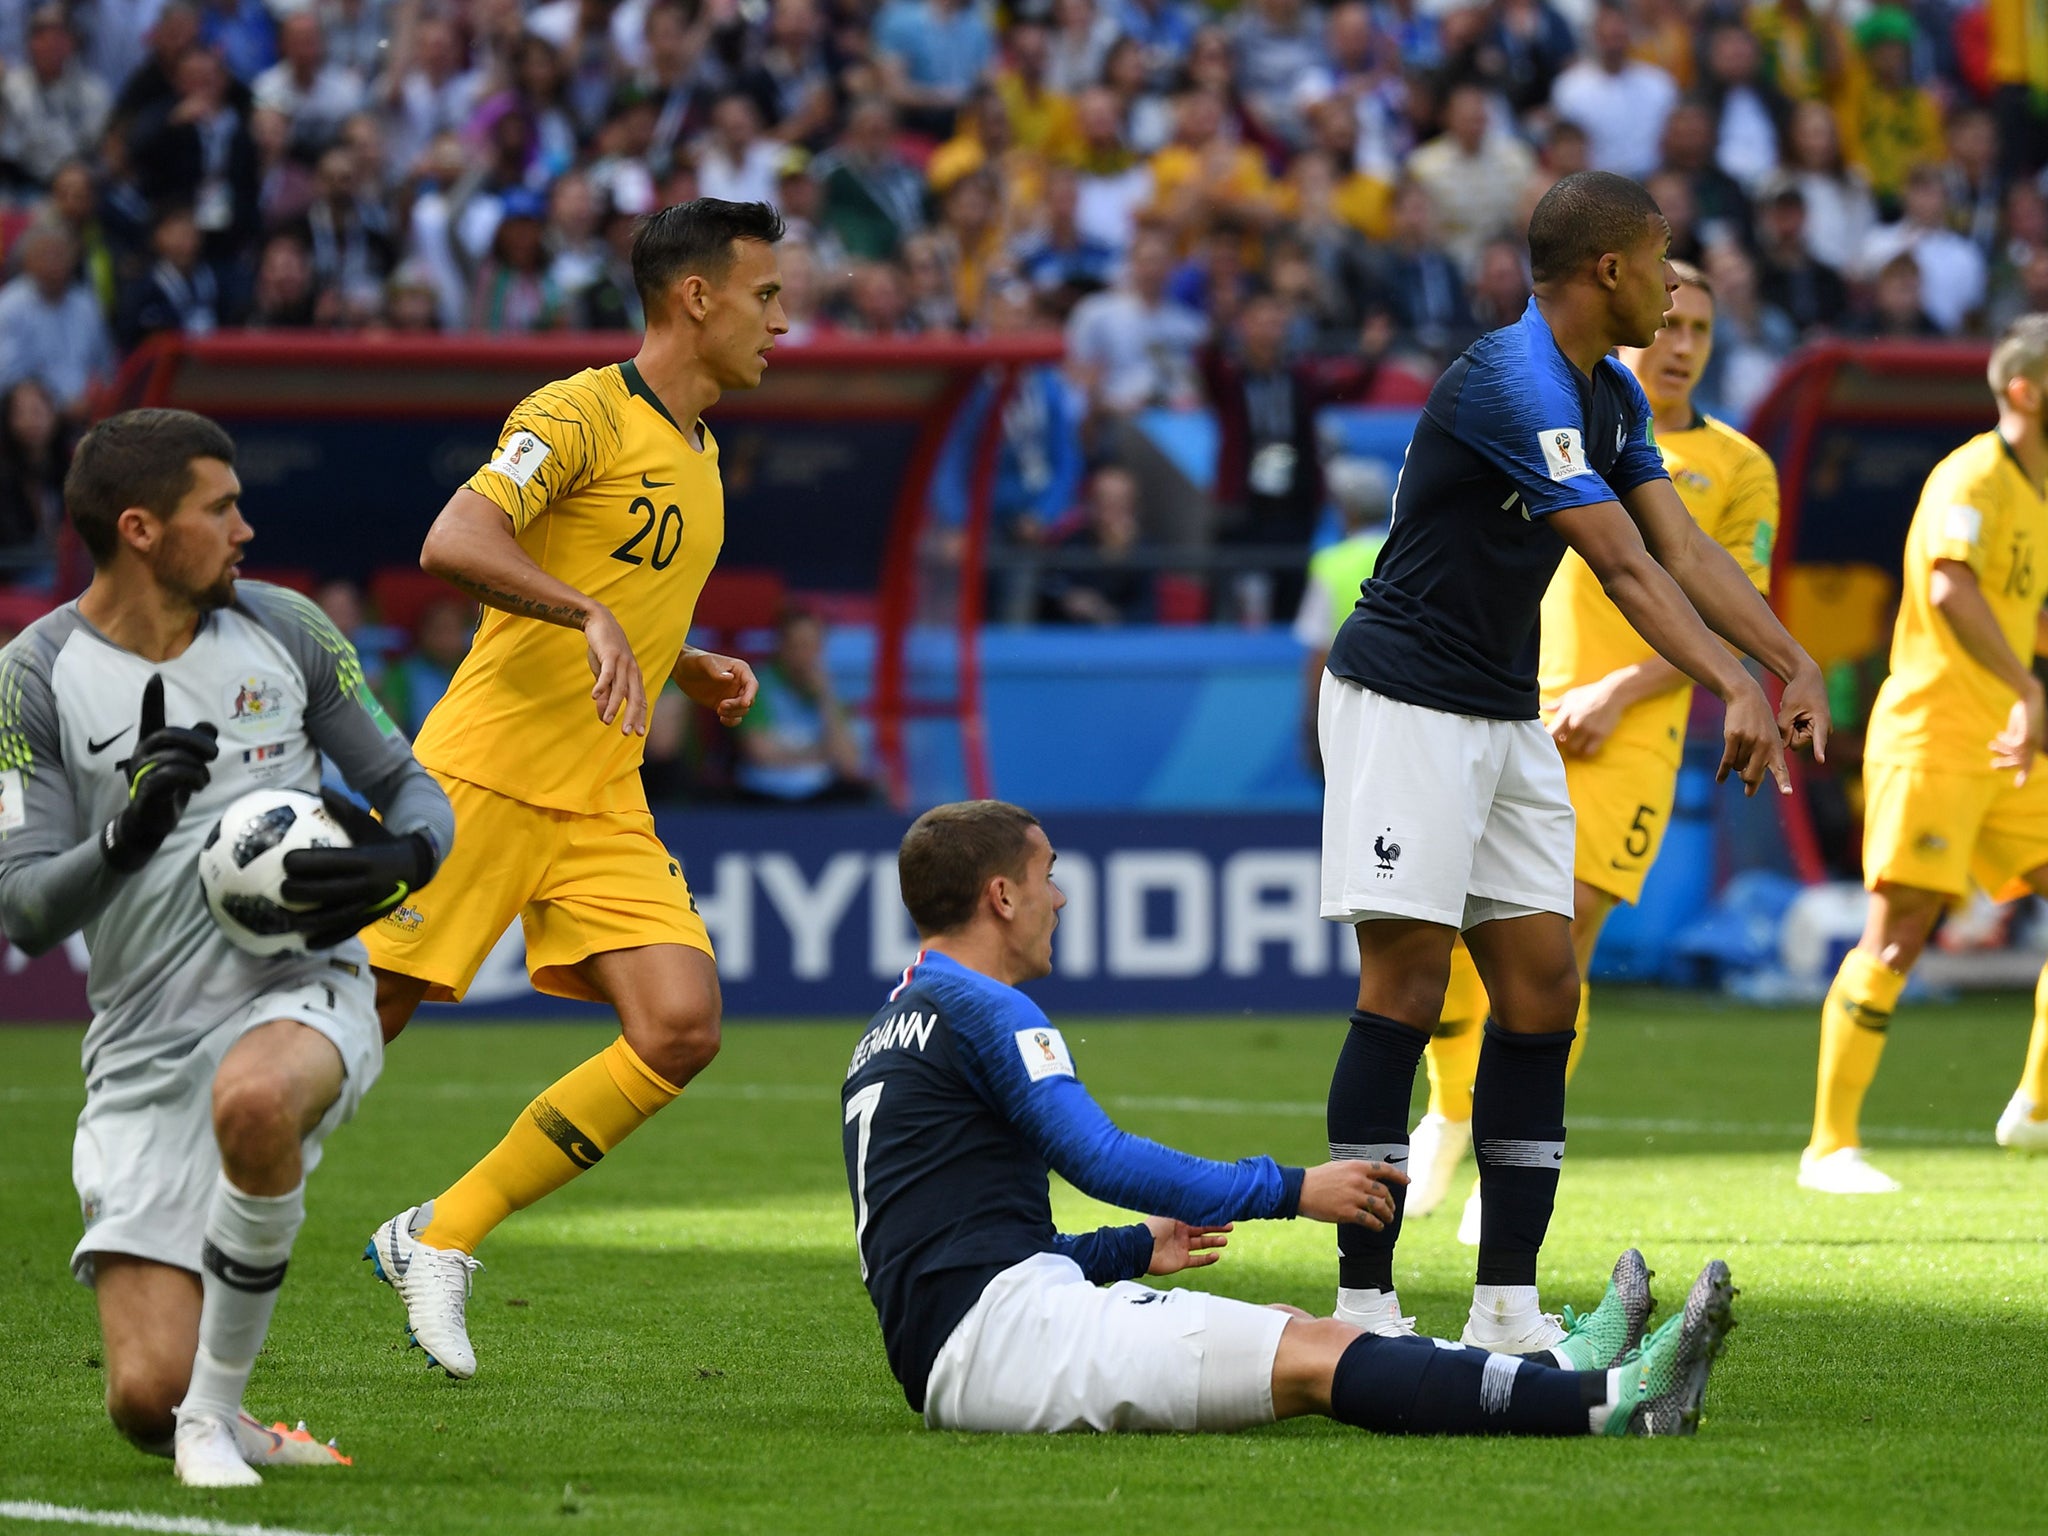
(279, 1446)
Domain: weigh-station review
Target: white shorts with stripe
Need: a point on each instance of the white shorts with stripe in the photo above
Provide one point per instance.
(1448, 818)
(1044, 1351)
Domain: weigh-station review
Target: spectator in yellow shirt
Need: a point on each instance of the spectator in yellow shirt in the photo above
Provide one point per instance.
(1205, 173)
(1041, 119)
(1889, 124)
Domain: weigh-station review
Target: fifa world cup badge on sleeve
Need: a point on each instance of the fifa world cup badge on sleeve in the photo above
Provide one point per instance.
(1044, 1052)
(1563, 452)
(13, 806)
(521, 457)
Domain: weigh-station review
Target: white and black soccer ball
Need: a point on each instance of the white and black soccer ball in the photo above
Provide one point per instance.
(241, 868)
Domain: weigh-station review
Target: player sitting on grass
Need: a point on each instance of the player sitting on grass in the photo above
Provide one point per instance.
(587, 539)
(1950, 791)
(960, 1099)
(212, 1076)
(1616, 710)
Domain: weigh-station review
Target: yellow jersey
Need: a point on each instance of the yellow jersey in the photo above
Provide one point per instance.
(1940, 708)
(1730, 487)
(607, 494)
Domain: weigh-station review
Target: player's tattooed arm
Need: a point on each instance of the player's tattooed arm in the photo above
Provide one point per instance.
(568, 615)
(472, 546)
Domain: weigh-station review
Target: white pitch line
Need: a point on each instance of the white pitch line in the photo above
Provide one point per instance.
(140, 1520)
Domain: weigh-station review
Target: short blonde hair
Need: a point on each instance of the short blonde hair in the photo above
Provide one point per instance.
(2021, 353)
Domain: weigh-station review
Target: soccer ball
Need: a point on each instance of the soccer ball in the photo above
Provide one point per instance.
(241, 868)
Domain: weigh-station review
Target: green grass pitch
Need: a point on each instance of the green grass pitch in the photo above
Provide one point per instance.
(679, 1340)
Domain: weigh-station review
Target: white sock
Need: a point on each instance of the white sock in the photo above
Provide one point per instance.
(1598, 1415)
(1498, 1306)
(248, 1242)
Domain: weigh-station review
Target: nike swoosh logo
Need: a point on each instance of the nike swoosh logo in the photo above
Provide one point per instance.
(654, 485)
(96, 747)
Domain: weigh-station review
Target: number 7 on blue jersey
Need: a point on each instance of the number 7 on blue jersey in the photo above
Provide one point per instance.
(862, 1107)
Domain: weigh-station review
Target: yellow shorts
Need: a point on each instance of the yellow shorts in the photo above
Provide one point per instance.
(1621, 798)
(1939, 831)
(580, 885)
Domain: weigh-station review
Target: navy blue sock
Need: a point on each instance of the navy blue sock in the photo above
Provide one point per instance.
(1368, 1119)
(1518, 1135)
(1412, 1386)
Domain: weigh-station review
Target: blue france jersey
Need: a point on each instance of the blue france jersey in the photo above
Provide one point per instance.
(960, 1097)
(1512, 433)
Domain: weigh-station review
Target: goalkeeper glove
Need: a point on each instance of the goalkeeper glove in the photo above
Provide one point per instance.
(346, 889)
(167, 770)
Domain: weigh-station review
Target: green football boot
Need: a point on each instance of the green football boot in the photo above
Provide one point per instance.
(1593, 1342)
(1664, 1385)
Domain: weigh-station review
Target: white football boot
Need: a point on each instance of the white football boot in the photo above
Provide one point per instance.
(1435, 1148)
(433, 1283)
(2018, 1129)
(1843, 1171)
(207, 1456)
(1375, 1311)
(1525, 1331)
(277, 1446)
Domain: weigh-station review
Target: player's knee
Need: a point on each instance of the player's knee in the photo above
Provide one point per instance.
(682, 1038)
(142, 1404)
(253, 1120)
(1305, 1365)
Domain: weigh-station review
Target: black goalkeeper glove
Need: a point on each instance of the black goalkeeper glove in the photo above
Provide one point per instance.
(347, 889)
(167, 770)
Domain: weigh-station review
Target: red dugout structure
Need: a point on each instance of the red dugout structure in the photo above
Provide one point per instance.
(1854, 428)
(349, 445)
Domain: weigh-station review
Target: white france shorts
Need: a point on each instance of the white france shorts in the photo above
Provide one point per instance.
(1447, 818)
(1043, 1351)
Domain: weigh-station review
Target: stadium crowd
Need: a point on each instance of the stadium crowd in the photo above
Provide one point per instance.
(1260, 208)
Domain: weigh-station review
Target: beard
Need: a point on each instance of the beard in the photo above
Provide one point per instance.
(216, 594)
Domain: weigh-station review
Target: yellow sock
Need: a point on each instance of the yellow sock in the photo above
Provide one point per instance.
(1852, 1028)
(1453, 1053)
(580, 1117)
(1571, 1062)
(2034, 1080)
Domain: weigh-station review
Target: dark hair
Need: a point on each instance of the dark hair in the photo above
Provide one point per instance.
(950, 854)
(1582, 218)
(695, 239)
(136, 459)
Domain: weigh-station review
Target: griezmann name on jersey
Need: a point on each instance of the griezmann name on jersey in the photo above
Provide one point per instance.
(606, 493)
(1939, 707)
(1512, 432)
(1730, 487)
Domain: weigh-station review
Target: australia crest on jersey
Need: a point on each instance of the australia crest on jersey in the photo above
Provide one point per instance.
(254, 704)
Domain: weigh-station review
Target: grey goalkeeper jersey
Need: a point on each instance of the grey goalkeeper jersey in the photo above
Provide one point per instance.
(282, 685)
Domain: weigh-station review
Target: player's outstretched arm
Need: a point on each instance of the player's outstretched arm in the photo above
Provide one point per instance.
(471, 545)
(1723, 595)
(1608, 540)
